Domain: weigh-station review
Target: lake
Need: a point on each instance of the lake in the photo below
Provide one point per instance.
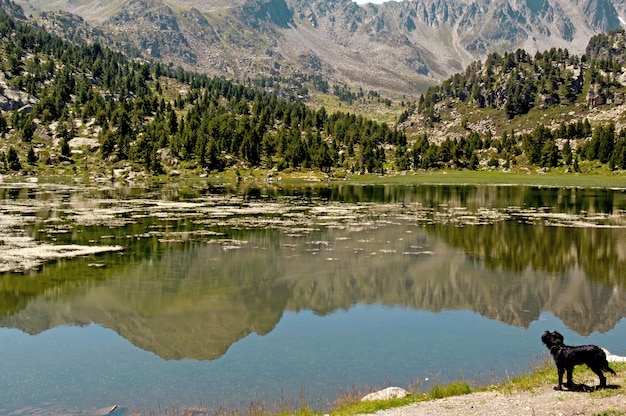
(200, 295)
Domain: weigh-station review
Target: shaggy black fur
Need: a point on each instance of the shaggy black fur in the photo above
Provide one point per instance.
(566, 357)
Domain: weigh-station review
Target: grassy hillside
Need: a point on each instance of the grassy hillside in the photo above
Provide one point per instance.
(519, 103)
(85, 111)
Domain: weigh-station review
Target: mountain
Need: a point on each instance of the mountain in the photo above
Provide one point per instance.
(395, 47)
(73, 109)
(553, 86)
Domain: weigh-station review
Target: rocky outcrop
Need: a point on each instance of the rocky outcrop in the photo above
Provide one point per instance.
(398, 47)
(10, 8)
(602, 14)
(11, 100)
(614, 358)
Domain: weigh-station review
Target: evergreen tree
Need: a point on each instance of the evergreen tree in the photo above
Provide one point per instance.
(566, 153)
(533, 143)
(65, 147)
(473, 162)
(618, 159)
(3, 123)
(31, 156)
(549, 154)
(13, 160)
(27, 132)
(605, 136)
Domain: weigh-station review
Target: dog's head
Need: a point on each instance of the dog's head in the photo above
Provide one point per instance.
(550, 339)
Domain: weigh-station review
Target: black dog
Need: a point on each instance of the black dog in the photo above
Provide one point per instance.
(566, 357)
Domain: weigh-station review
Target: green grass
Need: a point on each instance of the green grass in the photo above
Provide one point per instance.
(542, 375)
(366, 107)
(593, 178)
(552, 179)
(555, 178)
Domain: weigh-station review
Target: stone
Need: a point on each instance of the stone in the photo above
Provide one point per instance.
(386, 394)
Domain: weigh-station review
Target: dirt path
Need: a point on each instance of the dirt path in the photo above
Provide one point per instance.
(538, 402)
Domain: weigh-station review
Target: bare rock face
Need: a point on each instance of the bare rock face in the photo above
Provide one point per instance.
(398, 47)
(11, 100)
(386, 394)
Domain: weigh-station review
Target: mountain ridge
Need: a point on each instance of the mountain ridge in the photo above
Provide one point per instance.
(515, 111)
(395, 47)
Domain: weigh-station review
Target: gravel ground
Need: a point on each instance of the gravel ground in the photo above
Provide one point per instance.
(539, 402)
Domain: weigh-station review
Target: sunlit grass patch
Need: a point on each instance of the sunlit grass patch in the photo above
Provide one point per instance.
(584, 376)
(543, 373)
(372, 406)
(350, 403)
(455, 389)
(468, 177)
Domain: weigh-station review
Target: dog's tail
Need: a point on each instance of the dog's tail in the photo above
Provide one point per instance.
(606, 362)
(609, 369)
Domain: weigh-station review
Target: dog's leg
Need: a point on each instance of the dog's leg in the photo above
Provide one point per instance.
(569, 383)
(560, 370)
(599, 373)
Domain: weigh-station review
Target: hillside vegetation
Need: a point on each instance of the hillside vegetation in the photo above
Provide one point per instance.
(84, 110)
(548, 110)
(397, 47)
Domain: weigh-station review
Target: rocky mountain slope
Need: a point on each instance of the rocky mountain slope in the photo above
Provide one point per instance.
(68, 108)
(395, 47)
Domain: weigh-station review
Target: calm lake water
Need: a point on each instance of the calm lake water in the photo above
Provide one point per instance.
(214, 296)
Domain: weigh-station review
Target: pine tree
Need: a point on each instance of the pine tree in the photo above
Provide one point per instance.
(473, 161)
(566, 153)
(618, 159)
(31, 156)
(549, 154)
(606, 142)
(65, 147)
(13, 160)
(3, 123)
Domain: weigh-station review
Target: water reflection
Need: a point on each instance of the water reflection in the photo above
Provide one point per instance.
(204, 267)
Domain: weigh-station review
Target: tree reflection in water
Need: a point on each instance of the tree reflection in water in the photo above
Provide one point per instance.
(205, 267)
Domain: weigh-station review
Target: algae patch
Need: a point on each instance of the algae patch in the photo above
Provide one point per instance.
(20, 254)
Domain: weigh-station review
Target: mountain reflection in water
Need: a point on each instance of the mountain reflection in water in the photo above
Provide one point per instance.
(204, 268)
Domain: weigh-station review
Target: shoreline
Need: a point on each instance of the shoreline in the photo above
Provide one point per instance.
(558, 179)
(517, 397)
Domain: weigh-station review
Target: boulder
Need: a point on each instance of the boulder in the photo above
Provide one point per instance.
(12, 100)
(386, 394)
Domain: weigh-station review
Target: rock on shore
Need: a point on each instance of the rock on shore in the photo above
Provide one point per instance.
(386, 394)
